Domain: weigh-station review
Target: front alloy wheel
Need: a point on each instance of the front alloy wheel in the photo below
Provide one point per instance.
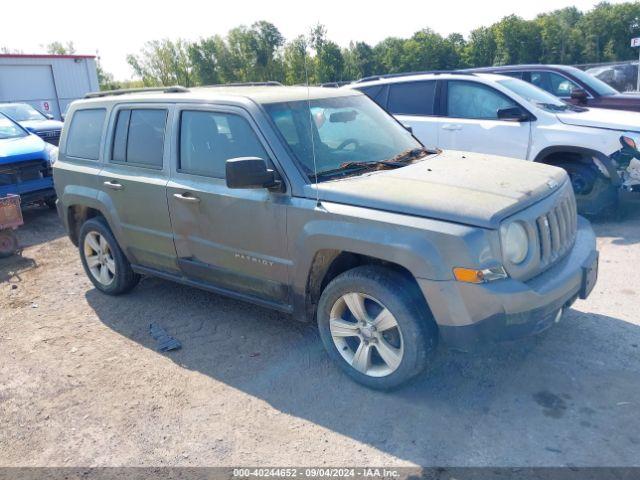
(366, 334)
(376, 326)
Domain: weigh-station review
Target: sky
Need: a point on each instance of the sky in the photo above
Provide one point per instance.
(115, 28)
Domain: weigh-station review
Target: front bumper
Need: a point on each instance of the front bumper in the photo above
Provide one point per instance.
(507, 309)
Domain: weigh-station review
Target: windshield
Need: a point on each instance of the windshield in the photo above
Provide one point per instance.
(344, 130)
(21, 112)
(9, 129)
(595, 83)
(535, 95)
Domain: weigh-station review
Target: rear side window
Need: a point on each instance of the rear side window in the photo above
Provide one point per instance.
(209, 139)
(412, 98)
(85, 133)
(377, 93)
(139, 137)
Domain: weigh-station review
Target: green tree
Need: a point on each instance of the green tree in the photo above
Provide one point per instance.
(59, 48)
(163, 62)
(517, 41)
(359, 61)
(296, 61)
(481, 48)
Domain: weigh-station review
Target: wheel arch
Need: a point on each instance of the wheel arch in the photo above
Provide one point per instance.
(550, 154)
(327, 264)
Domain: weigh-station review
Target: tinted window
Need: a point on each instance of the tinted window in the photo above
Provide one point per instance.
(556, 84)
(511, 74)
(208, 140)
(412, 98)
(145, 144)
(377, 93)
(474, 100)
(85, 132)
(120, 137)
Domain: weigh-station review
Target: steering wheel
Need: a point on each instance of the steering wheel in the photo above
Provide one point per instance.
(348, 141)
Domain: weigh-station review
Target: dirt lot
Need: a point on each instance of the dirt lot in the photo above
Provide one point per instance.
(82, 385)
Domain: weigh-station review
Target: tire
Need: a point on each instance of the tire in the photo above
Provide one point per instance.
(594, 193)
(51, 203)
(8, 243)
(412, 339)
(103, 259)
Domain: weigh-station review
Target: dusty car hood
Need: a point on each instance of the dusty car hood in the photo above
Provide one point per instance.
(603, 118)
(41, 125)
(460, 187)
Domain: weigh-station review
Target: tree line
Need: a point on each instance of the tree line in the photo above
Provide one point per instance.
(259, 52)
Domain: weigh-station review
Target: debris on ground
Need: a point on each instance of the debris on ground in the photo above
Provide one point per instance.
(165, 341)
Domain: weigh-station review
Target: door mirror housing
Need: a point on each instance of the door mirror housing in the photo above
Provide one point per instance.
(513, 114)
(249, 172)
(579, 95)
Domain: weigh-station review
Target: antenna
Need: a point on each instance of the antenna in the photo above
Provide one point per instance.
(313, 146)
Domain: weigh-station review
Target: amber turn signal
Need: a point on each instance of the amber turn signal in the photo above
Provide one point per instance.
(468, 275)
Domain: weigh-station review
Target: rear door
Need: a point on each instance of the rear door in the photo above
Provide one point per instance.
(231, 239)
(472, 123)
(413, 104)
(133, 182)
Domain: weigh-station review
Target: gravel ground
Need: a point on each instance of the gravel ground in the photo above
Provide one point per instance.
(82, 385)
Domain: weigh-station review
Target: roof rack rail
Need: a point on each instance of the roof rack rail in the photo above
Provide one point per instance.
(407, 74)
(123, 91)
(270, 83)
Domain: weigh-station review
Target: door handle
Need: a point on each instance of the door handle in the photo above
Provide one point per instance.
(113, 185)
(186, 197)
(452, 126)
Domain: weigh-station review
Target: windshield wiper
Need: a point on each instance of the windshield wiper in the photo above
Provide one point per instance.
(397, 161)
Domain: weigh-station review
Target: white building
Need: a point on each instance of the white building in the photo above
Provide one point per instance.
(48, 82)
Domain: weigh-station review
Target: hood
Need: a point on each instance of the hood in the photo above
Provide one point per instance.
(41, 125)
(22, 149)
(603, 118)
(467, 188)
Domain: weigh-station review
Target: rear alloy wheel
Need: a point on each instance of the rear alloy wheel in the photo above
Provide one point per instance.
(103, 260)
(99, 258)
(376, 326)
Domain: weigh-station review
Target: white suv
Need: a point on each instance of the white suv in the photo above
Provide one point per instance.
(500, 115)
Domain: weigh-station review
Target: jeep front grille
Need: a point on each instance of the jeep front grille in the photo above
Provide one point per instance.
(557, 230)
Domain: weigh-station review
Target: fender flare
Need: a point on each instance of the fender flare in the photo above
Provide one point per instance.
(588, 152)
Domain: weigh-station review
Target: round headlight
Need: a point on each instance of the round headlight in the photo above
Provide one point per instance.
(515, 242)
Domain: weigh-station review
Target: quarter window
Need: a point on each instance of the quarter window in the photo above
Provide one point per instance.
(85, 133)
(412, 98)
(377, 93)
(209, 139)
(139, 137)
(475, 100)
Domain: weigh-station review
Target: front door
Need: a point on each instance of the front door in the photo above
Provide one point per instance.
(230, 239)
(471, 122)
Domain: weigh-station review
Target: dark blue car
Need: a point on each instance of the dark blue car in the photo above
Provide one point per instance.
(25, 164)
(33, 120)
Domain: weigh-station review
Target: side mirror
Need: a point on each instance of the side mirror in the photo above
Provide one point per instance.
(249, 172)
(579, 94)
(513, 114)
(49, 116)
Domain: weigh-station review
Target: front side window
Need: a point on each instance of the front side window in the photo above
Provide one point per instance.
(85, 133)
(412, 98)
(335, 131)
(8, 129)
(209, 139)
(21, 112)
(139, 137)
(554, 83)
(475, 100)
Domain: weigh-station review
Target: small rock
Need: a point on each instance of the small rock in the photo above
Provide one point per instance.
(74, 350)
(185, 455)
(14, 286)
(34, 305)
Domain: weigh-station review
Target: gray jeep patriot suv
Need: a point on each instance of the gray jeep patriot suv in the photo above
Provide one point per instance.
(317, 203)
